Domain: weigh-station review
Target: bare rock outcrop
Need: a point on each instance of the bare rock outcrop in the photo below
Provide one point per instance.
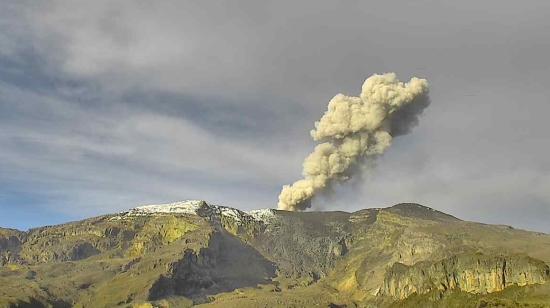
(474, 273)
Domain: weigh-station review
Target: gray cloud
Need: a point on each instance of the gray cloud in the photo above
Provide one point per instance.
(104, 105)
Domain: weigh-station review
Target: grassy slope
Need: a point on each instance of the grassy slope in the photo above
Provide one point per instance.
(529, 296)
(392, 237)
(132, 254)
(123, 271)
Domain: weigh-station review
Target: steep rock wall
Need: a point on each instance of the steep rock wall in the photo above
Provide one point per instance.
(474, 273)
(225, 265)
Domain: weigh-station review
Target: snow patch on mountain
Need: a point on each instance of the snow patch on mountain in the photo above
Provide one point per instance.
(203, 209)
(264, 215)
(182, 207)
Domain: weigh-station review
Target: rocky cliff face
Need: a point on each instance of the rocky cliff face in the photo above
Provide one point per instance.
(10, 242)
(194, 252)
(224, 265)
(474, 273)
(305, 245)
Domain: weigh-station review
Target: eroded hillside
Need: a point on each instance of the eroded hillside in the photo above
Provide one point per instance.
(191, 252)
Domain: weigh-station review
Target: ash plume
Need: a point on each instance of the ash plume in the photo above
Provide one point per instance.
(354, 129)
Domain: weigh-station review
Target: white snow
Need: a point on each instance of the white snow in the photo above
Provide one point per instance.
(264, 215)
(231, 212)
(200, 207)
(182, 207)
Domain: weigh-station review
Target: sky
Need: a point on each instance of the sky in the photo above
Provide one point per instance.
(107, 105)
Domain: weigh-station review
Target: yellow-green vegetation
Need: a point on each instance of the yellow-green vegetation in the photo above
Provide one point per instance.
(404, 256)
(110, 276)
(158, 231)
(529, 296)
(274, 296)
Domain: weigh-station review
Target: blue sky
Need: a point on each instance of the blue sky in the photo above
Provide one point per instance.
(108, 105)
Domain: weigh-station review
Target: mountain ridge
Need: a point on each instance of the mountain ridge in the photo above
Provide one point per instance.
(193, 252)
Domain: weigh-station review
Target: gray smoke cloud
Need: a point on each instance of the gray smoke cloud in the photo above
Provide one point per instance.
(354, 129)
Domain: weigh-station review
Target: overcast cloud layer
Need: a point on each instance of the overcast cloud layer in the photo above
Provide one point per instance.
(107, 105)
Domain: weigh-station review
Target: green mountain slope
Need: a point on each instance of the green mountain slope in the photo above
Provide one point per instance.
(187, 253)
